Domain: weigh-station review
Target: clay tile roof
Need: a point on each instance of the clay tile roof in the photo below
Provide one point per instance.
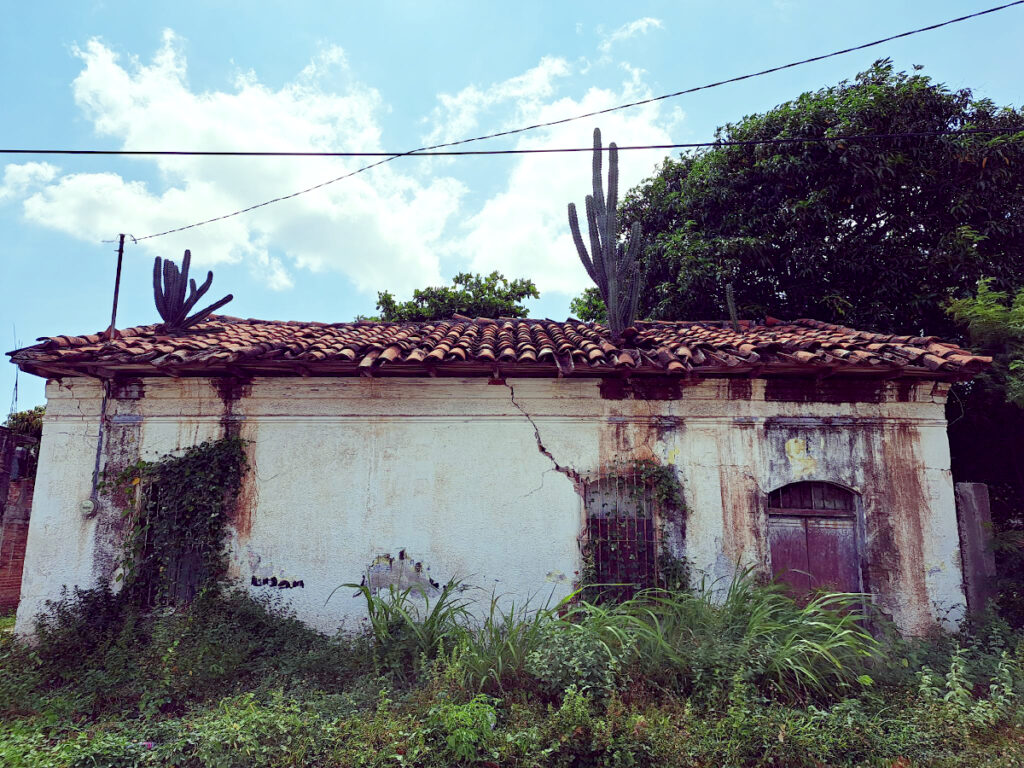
(482, 346)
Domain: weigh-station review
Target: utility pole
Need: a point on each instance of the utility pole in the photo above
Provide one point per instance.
(117, 287)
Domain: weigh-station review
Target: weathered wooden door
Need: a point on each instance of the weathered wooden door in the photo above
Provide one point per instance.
(812, 538)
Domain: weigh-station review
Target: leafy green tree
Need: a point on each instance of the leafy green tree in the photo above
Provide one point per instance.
(28, 422)
(873, 233)
(471, 295)
(589, 306)
(987, 428)
(995, 321)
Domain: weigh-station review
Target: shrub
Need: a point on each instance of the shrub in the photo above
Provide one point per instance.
(407, 635)
(95, 652)
(573, 655)
(467, 728)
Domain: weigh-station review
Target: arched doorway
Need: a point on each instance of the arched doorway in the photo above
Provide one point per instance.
(812, 536)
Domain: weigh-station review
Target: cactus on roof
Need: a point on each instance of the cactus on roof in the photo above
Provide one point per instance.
(611, 264)
(170, 298)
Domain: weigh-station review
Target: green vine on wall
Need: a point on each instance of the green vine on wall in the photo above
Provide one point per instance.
(641, 476)
(654, 491)
(179, 508)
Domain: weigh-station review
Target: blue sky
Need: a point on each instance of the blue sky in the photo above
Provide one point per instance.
(265, 75)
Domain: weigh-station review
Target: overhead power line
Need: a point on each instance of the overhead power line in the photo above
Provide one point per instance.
(536, 151)
(737, 79)
(595, 113)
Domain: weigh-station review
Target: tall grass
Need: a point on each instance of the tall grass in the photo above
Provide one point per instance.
(702, 642)
(493, 657)
(407, 635)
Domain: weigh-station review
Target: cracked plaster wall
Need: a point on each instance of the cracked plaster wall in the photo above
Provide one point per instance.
(478, 481)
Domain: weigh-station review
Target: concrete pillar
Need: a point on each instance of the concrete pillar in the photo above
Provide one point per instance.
(975, 521)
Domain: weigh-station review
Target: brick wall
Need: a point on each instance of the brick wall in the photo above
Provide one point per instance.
(13, 535)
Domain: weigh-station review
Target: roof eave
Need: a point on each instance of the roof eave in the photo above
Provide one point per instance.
(272, 369)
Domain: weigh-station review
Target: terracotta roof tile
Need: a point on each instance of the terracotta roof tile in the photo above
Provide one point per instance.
(543, 347)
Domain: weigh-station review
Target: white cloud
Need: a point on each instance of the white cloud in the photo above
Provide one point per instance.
(380, 228)
(458, 116)
(632, 29)
(387, 228)
(18, 179)
(523, 230)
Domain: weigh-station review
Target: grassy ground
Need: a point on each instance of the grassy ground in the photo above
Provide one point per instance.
(666, 680)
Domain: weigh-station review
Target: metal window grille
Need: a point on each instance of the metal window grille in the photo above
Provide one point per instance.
(621, 538)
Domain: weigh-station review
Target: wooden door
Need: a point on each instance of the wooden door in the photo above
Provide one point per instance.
(812, 538)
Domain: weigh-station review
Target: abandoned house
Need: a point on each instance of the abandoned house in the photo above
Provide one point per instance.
(515, 455)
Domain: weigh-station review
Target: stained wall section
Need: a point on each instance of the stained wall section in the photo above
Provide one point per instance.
(401, 481)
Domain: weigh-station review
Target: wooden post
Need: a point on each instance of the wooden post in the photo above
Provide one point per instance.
(117, 287)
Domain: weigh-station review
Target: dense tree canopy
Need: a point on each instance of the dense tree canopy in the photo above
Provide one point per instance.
(877, 233)
(471, 295)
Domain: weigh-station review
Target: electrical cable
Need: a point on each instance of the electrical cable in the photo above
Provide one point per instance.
(548, 150)
(595, 113)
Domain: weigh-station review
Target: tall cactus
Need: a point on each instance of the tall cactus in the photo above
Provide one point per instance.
(730, 305)
(612, 265)
(170, 298)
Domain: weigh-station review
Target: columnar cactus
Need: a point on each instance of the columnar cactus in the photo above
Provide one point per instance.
(170, 298)
(730, 304)
(612, 265)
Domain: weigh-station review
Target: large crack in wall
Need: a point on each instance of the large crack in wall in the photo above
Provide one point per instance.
(569, 472)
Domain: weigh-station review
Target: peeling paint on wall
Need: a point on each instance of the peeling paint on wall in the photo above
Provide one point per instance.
(122, 448)
(400, 572)
(803, 464)
(641, 388)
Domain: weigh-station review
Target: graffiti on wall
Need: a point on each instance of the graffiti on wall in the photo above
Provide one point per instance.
(273, 581)
(268, 576)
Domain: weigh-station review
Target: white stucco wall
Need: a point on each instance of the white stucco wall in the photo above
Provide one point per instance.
(347, 470)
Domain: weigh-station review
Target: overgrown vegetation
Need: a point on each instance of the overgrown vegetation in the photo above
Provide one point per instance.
(178, 507)
(995, 321)
(735, 674)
